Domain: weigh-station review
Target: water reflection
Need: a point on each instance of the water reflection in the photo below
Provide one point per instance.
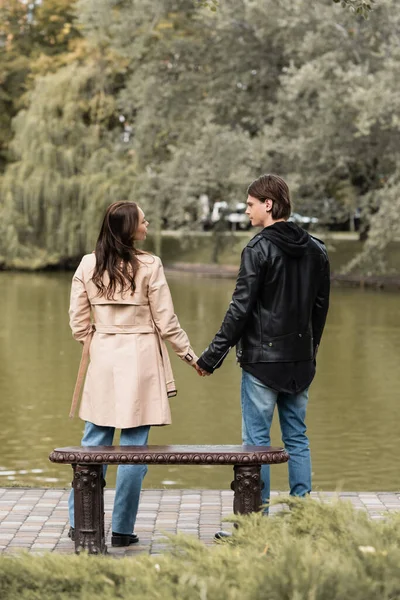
(354, 409)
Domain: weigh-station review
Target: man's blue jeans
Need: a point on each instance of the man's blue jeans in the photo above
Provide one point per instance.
(129, 477)
(258, 404)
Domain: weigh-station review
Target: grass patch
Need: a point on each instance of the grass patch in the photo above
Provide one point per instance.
(313, 551)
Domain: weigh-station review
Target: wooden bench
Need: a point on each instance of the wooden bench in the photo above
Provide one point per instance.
(88, 481)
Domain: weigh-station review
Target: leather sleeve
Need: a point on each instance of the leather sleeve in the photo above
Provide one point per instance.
(164, 317)
(243, 299)
(321, 306)
(79, 307)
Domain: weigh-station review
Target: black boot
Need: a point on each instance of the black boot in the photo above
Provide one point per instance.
(123, 539)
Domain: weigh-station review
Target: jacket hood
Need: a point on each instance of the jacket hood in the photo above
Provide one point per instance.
(289, 237)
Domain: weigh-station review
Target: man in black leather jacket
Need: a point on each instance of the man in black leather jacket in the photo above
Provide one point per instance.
(275, 320)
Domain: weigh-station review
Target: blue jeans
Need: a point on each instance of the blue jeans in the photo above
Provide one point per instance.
(129, 477)
(258, 404)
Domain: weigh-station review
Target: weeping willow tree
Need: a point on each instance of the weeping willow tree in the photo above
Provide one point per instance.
(69, 166)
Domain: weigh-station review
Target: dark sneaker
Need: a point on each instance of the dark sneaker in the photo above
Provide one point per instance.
(222, 536)
(71, 533)
(123, 539)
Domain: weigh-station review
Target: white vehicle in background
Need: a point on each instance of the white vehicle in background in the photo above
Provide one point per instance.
(302, 221)
(238, 219)
(235, 220)
(218, 211)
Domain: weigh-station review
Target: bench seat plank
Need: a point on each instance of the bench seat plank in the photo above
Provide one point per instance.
(161, 455)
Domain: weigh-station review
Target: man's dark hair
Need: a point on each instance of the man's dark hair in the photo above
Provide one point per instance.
(272, 187)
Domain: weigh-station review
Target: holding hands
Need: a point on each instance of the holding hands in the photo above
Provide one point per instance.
(201, 372)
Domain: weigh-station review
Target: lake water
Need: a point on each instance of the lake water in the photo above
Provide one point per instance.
(353, 416)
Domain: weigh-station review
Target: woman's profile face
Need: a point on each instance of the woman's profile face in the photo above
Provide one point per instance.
(141, 231)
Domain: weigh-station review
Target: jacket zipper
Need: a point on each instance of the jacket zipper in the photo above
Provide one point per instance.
(222, 358)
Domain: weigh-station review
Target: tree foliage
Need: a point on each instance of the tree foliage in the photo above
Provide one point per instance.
(63, 141)
(360, 7)
(30, 33)
(164, 100)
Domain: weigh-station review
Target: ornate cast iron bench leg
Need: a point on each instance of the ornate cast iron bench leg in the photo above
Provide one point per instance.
(89, 509)
(247, 489)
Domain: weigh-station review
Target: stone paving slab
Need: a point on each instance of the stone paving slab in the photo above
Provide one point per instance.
(37, 519)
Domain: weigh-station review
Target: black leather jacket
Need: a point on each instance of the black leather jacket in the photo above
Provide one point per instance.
(279, 306)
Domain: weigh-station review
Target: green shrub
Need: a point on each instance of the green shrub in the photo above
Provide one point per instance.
(313, 551)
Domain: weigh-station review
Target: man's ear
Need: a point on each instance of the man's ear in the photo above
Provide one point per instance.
(268, 205)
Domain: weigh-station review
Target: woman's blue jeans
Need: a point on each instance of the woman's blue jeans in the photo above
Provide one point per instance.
(129, 477)
(258, 404)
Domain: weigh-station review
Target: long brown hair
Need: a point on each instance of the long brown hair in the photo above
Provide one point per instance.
(115, 252)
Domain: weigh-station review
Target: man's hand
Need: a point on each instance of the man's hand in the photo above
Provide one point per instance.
(201, 371)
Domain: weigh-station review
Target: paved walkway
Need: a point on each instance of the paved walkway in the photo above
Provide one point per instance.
(36, 519)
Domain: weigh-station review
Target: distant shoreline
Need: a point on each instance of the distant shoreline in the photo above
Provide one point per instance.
(381, 282)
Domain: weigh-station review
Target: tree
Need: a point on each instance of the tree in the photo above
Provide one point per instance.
(67, 168)
(192, 101)
(29, 32)
(335, 127)
(384, 228)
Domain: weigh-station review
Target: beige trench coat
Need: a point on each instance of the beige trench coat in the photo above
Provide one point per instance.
(129, 375)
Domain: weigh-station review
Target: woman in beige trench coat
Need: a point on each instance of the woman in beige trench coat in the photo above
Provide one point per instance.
(121, 310)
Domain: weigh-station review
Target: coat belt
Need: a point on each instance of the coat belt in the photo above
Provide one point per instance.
(127, 329)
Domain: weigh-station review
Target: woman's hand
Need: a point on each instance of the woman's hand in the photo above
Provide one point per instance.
(201, 371)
